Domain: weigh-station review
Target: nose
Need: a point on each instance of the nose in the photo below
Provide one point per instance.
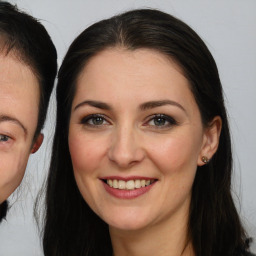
(126, 148)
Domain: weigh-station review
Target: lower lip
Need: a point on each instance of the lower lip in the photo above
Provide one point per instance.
(127, 194)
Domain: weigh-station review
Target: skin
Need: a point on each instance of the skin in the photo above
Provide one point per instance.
(129, 142)
(19, 97)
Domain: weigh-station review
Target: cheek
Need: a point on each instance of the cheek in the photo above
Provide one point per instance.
(175, 153)
(85, 152)
(87, 155)
(12, 170)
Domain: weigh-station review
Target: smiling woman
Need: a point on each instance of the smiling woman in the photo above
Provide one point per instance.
(156, 140)
(141, 161)
(27, 72)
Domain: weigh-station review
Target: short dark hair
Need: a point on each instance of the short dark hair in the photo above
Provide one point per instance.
(26, 39)
(71, 227)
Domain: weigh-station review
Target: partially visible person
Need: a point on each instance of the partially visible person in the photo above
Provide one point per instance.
(28, 66)
(141, 161)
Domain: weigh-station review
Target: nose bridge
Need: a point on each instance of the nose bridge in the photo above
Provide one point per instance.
(126, 148)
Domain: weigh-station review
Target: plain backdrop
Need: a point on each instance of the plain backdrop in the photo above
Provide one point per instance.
(229, 29)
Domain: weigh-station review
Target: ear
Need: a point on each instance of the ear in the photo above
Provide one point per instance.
(37, 143)
(210, 140)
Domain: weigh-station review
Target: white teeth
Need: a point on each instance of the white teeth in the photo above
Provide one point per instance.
(137, 184)
(110, 183)
(115, 184)
(130, 184)
(121, 184)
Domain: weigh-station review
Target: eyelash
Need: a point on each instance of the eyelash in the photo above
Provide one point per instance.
(162, 118)
(4, 138)
(91, 120)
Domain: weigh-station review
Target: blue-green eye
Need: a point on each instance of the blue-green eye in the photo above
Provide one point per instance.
(94, 120)
(4, 138)
(98, 120)
(161, 121)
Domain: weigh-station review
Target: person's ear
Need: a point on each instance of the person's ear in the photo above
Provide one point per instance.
(38, 142)
(210, 141)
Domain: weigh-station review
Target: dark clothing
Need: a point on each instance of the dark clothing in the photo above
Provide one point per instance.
(3, 210)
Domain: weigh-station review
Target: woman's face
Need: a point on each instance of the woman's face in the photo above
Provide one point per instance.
(19, 97)
(136, 138)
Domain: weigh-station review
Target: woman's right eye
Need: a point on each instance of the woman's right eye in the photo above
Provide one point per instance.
(4, 138)
(94, 120)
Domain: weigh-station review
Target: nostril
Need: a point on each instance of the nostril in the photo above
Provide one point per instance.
(125, 151)
(125, 159)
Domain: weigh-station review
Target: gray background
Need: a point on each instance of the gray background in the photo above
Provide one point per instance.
(229, 29)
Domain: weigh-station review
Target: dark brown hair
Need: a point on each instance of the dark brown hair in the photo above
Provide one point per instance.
(71, 227)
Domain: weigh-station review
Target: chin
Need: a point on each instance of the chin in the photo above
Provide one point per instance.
(127, 223)
(127, 226)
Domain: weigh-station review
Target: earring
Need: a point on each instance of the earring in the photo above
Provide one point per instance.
(205, 159)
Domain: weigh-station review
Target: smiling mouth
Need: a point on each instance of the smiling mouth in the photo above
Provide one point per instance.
(129, 184)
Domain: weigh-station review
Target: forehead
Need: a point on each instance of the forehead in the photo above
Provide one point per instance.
(117, 70)
(120, 55)
(13, 67)
(19, 91)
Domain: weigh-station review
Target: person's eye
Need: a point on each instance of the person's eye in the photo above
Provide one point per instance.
(4, 138)
(161, 121)
(95, 120)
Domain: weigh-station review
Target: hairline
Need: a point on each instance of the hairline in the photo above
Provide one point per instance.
(122, 46)
(18, 55)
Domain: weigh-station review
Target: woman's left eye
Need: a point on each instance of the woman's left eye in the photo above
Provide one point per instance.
(161, 121)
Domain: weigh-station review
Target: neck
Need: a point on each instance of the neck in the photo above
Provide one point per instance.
(162, 239)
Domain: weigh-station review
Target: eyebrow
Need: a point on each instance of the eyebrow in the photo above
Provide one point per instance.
(143, 106)
(4, 118)
(96, 104)
(159, 103)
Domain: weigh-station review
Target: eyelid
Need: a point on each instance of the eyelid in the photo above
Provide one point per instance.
(5, 135)
(86, 118)
(168, 118)
(9, 134)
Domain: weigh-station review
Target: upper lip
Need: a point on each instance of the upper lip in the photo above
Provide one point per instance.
(127, 178)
